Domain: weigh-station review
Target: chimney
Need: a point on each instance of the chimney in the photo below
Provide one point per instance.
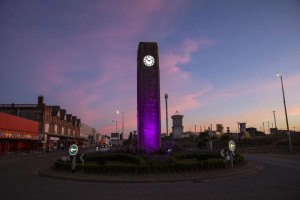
(40, 100)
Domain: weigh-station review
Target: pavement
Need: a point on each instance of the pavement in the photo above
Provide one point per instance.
(195, 176)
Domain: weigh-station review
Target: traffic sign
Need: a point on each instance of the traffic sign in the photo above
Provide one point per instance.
(73, 150)
(222, 153)
(81, 158)
(231, 145)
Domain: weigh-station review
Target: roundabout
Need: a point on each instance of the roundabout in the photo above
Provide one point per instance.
(264, 176)
(127, 168)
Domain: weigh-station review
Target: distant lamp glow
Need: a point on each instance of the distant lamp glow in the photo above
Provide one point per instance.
(118, 112)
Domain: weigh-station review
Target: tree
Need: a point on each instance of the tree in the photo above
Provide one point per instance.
(225, 137)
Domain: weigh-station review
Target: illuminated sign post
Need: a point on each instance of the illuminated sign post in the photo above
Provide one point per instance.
(73, 150)
(231, 146)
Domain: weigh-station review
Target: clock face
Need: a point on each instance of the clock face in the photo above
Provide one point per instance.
(149, 60)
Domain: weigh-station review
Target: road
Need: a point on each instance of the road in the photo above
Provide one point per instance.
(279, 179)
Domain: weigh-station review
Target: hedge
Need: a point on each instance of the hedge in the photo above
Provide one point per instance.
(238, 159)
(137, 164)
(103, 158)
(198, 156)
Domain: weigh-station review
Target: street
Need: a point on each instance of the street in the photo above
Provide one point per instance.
(279, 179)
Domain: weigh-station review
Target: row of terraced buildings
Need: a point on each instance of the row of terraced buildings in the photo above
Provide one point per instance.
(55, 128)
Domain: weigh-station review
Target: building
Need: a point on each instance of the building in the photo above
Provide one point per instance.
(177, 127)
(17, 134)
(56, 128)
(88, 134)
(273, 131)
(219, 129)
(148, 97)
(252, 131)
(115, 139)
(105, 141)
(242, 127)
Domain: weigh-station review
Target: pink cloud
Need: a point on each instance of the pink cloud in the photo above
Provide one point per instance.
(192, 45)
(130, 18)
(93, 107)
(114, 87)
(175, 80)
(189, 101)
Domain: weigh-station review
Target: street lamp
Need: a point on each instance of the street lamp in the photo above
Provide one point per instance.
(286, 117)
(167, 128)
(118, 112)
(275, 120)
(116, 125)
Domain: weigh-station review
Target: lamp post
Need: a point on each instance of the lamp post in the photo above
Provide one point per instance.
(275, 121)
(286, 117)
(118, 112)
(167, 128)
(116, 125)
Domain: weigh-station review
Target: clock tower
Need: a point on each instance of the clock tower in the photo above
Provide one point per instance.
(148, 97)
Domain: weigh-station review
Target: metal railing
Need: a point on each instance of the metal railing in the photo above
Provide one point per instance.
(18, 154)
(30, 153)
(262, 151)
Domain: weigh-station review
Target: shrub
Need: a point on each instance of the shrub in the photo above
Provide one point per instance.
(154, 164)
(159, 159)
(103, 158)
(238, 159)
(101, 161)
(198, 156)
(61, 165)
(201, 143)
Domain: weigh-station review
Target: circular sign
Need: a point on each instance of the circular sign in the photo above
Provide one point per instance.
(73, 150)
(231, 145)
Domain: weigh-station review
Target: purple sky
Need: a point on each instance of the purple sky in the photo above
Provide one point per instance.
(218, 59)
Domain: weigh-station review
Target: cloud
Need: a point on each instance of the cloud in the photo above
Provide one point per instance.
(175, 79)
(88, 64)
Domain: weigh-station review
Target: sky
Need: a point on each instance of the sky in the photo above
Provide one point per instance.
(218, 59)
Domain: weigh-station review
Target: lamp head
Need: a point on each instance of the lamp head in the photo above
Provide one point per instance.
(278, 74)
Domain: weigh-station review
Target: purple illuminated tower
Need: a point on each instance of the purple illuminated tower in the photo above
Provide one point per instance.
(148, 97)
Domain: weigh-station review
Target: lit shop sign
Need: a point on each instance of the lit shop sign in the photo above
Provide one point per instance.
(13, 134)
(54, 138)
